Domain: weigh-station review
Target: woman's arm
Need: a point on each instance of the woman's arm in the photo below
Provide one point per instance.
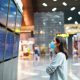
(57, 61)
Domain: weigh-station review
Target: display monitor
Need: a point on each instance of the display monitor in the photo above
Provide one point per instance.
(16, 46)
(2, 42)
(3, 11)
(12, 16)
(9, 46)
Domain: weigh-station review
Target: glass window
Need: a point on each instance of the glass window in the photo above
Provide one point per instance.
(3, 11)
(9, 45)
(16, 46)
(47, 24)
(12, 15)
(18, 22)
(2, 42)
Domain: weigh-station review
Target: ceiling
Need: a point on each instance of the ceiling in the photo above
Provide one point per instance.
(27, 19)
(71, 8)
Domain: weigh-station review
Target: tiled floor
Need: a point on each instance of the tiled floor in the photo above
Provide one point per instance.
(32, 70)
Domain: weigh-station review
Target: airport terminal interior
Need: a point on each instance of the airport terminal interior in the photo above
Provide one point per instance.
(26, 25)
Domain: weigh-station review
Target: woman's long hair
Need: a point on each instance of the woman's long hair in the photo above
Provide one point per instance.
(62, 46)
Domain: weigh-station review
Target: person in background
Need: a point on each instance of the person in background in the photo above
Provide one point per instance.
(36, 53)
(58, 67)
(51, 49)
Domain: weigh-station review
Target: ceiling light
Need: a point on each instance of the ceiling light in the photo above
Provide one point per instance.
(54, 9)
(70, 18)
(44, 23)
(76, 22)
(44, 4)
(64, 3)
(79, 12)
(42, 32)
(54, 0)
(60, 23)
(73, 8)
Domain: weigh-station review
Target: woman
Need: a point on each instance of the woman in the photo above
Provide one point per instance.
(58, 67)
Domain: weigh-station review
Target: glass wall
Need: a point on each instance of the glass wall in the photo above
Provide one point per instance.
(2, 42)
(12, 16)
(9, 45)
(10, 21)
(17, 30)
(46, 25)
(18, 21)
(16, 46)
(3, 11)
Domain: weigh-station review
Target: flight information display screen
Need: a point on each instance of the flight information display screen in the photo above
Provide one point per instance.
(2, 42)
(3, 11)
(9, 45)
(12, 16)
(16, 46)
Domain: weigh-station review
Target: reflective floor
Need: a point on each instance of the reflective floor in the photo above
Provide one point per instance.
(35, 70)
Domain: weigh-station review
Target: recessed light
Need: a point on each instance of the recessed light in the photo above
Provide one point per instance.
(54, 0)
(79, 12)
(60, 23)
(76, 22)
(70, 18)
(42, 32)
(44, 4)
(64, 3)
(44, 23)
(54, 9)
(73, 8)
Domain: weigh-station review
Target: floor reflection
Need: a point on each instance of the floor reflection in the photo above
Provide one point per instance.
(33, 70)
